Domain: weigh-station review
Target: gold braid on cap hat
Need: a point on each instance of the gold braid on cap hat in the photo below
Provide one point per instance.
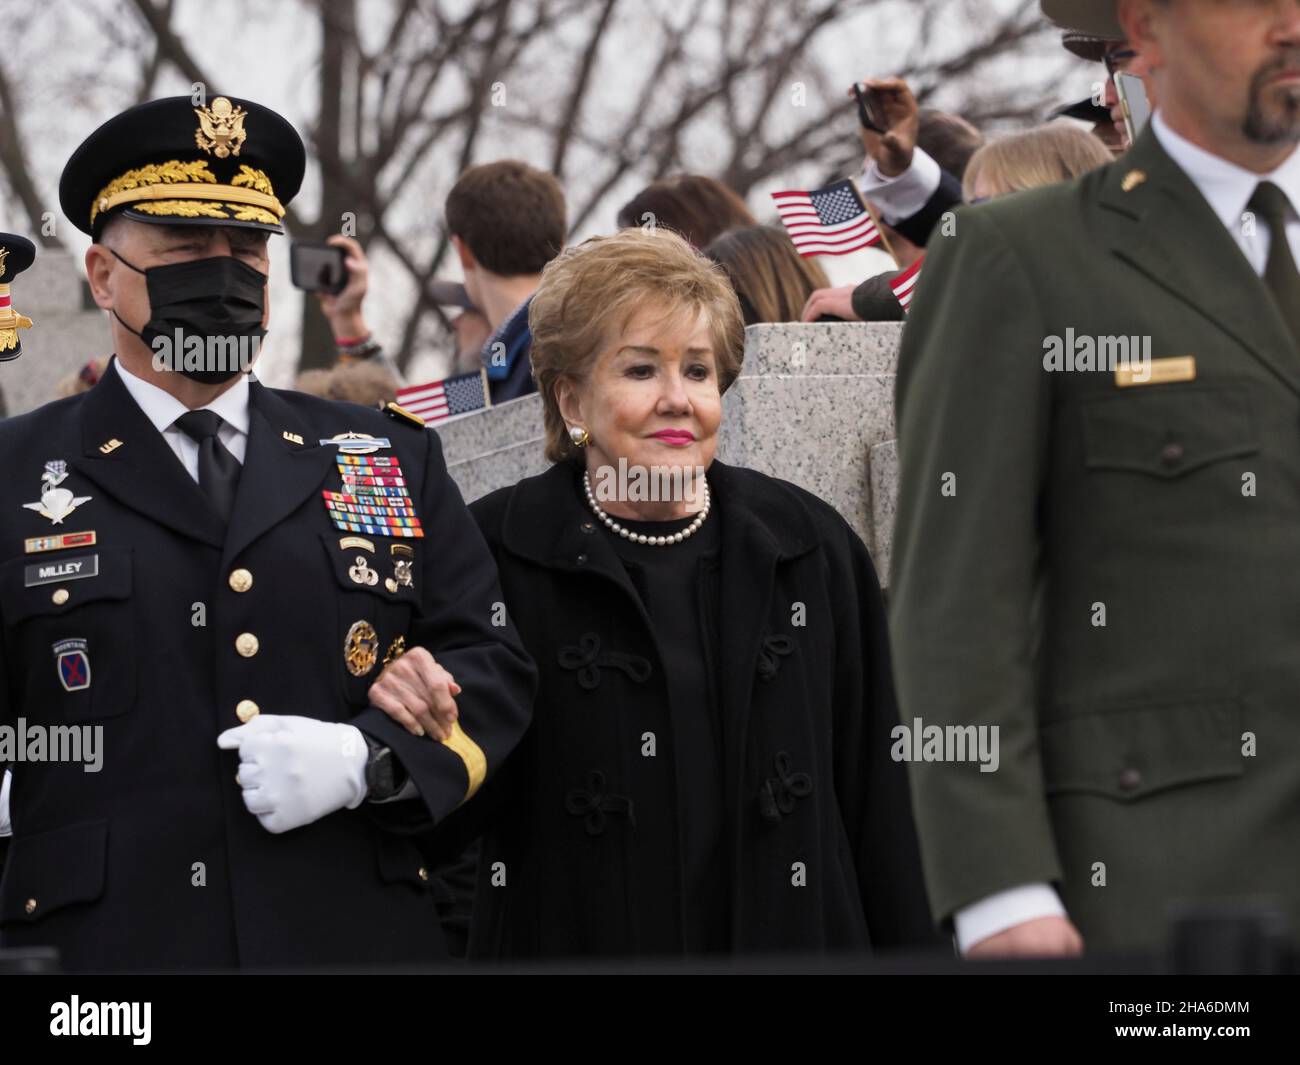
(191, 190)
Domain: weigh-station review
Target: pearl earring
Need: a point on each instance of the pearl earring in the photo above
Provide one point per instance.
(579, 435)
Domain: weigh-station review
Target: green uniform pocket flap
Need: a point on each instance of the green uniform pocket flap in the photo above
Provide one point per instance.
(1168, 431)
(1129, 752)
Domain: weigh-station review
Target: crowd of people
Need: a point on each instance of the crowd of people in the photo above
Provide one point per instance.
(582, 716)
(928, 163)
(507, 220)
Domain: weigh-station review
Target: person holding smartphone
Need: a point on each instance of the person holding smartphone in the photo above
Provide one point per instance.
(910, 186)
(343, 310)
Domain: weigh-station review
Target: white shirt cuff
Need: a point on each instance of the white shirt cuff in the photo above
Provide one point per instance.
(6, 826)
(1003, 910)
(902, 196)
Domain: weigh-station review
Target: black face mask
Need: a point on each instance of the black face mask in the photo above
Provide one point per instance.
(199, 300)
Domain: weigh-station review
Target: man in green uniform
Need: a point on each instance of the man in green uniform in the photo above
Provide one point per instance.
(1098, 541)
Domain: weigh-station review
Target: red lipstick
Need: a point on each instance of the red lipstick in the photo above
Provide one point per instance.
(676, 437)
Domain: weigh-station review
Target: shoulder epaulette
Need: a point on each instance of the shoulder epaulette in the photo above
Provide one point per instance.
(401, 414)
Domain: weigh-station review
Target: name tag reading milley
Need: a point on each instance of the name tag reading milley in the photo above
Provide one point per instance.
(63, 569)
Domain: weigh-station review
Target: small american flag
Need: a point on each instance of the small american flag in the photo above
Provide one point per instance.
(446, 398)
(904, 285)
(829, 221)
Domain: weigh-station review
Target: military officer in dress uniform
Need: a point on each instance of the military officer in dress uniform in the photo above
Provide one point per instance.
(1099, 523)
(200, 577)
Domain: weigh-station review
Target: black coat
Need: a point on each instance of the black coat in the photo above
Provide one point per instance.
(806, 716)
(107, 859)
(946, 197)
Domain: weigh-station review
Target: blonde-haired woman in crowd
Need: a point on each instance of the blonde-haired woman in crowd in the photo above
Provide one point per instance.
(708, 769)
(1040, 156)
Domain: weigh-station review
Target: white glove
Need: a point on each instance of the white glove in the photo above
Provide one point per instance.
(6, 826)
(295, 770)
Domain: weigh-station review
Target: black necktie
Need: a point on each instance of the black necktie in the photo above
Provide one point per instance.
(218, 468)
(1280, 274)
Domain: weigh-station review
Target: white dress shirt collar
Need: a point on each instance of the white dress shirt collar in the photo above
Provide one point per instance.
(1226, 186)
(162, 408)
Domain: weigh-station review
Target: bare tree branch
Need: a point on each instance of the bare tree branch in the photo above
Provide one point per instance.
(607, 93)
(573, 107)
(13, 156)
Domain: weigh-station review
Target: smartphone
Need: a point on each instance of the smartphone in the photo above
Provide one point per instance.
(450, 294)
(869, 111)
(316, 267)
(1133, 99)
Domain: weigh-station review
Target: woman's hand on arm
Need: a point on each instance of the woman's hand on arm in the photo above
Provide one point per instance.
(417, 693)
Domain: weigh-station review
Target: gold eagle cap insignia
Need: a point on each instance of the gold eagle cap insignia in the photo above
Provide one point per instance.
(221, 128)
(4, 254)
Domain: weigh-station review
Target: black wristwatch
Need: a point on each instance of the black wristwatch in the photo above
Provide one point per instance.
(384, 774)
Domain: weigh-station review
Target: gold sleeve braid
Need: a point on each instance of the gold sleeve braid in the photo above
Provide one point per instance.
(471, 754)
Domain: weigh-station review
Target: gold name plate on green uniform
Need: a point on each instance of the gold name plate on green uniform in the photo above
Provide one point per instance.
(1157, 372)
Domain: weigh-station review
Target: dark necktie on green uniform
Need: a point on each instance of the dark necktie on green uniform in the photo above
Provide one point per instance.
(218, 468)
(1280, 275)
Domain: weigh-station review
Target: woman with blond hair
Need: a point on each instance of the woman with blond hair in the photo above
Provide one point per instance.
(1040, 156)
(708, 769)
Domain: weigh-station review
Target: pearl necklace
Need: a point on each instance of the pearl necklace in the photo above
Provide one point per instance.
(638, 538)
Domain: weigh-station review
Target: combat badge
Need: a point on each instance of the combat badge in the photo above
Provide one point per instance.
(356, 443)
